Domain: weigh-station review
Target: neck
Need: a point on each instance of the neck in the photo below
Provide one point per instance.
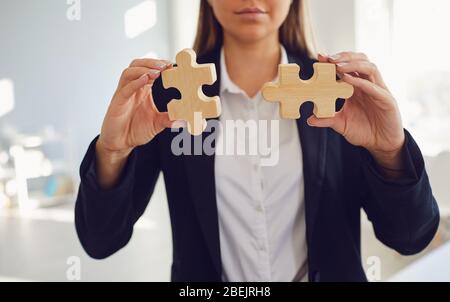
(243, 61)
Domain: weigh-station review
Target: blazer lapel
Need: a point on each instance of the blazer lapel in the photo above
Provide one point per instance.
(314, 144)
(201, 181)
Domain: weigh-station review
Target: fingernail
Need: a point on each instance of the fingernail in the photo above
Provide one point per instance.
(341, 64)
(323, 55)
(161, 65)
(335, 57)
(145, 75)
(154, 73)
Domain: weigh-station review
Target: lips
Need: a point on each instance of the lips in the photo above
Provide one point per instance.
(250, 10)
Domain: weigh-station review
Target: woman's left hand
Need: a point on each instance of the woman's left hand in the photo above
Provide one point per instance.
(370, 118)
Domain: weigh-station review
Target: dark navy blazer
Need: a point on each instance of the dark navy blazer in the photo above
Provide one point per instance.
(340, 179)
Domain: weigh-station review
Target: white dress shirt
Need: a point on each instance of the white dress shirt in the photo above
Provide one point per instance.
(261, 208)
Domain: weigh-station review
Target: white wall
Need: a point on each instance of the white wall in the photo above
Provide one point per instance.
(65, 72)
(184, 15)
(334, 25)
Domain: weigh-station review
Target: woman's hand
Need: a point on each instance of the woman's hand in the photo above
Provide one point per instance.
(370, 118)
(132, 119)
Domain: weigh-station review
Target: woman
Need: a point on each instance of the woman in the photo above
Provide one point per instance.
(234, 219)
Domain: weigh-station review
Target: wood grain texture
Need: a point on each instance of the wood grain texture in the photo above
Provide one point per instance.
(188, 77)
(291, 91)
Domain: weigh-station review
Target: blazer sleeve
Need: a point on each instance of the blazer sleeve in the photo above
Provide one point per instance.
(404, 213)
(104, 219)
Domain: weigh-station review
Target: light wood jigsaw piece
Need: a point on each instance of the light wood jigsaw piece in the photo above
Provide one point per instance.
(188, 77)
(322, 89)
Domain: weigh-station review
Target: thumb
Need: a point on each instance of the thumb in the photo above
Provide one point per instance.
(322, 58)
(162, 121)
(337, 123)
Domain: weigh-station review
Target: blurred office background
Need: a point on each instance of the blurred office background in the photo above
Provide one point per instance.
(59, 65)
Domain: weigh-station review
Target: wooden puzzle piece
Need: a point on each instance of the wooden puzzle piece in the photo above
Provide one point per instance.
(188, 77)
(291, 91)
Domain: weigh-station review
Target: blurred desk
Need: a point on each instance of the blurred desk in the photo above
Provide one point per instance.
(434, 267)
(35, 246)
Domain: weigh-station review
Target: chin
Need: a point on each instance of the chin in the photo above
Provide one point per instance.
(251, 33)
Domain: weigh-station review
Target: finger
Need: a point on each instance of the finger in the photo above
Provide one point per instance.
(323, 58)
(143, 93)
(151, 63)
(367, 69)
(132, 73)
(341, 74)
(162, 121)
(348, 56)
(366, 86)
(150, 103)
(337, 123)
(171, 123)
(131, 88)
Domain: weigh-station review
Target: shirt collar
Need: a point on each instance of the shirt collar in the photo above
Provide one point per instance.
(226, 84)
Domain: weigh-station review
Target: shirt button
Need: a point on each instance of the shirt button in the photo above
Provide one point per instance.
(259, 208)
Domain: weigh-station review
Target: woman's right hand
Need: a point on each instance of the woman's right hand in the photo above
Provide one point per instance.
(132, 119)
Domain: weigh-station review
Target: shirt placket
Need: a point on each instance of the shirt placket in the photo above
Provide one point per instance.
(262, 240)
